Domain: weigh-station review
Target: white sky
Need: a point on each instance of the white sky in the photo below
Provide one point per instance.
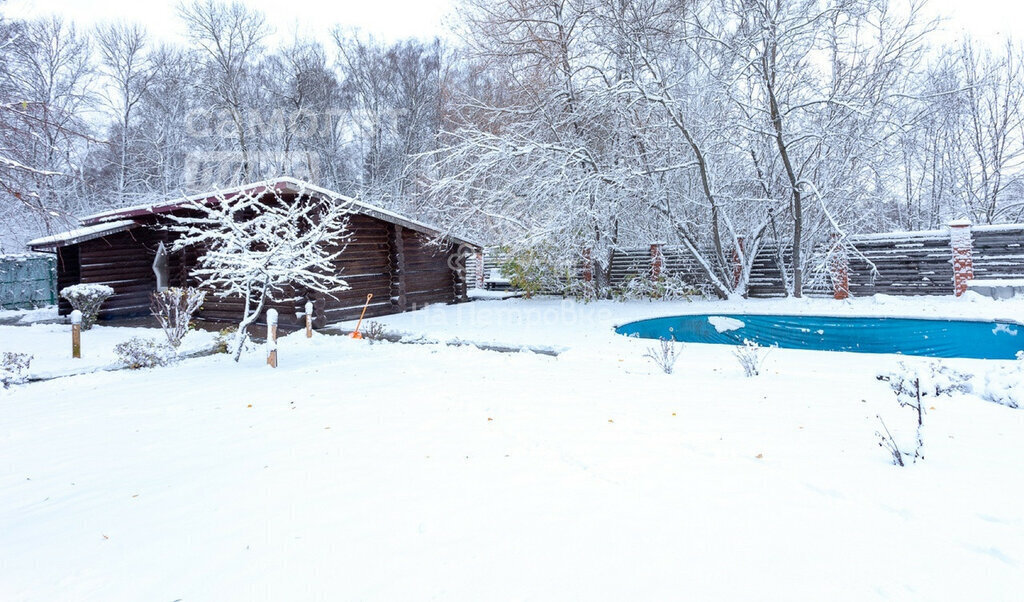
(987, 20)
(388, 19)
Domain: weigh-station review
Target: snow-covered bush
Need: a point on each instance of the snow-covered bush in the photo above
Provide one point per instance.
(374, 331)
(645, 286)
(224, 338)
(1005, 384)
(137, 353)
(13, 367)
(665, 354)
(887, 442)
(87, 298)
(174, 308)
(536, 270)
(912, 386)
(751, 357)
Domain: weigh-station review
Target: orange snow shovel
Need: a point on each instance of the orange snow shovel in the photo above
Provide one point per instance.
(356, 334)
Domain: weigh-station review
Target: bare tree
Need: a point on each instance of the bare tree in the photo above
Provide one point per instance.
(990, 137)
(230, 41)
(130, 69)
(259, 246)
(45, 94)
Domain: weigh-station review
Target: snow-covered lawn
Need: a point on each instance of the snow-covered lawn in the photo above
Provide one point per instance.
(361, 471)
(50, 346)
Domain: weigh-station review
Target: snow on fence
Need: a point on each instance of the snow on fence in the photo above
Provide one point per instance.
(27, 281)
(893, 263)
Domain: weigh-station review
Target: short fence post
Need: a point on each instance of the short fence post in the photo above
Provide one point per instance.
(479, 269)
(309, 319)
(76, 334)
(272, 338)
(963, 262)
(839, 269)
(657, 260)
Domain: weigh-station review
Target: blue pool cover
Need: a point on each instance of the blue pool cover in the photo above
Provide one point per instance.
(1000, 340)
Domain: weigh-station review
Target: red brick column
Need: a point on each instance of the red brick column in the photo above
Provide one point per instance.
(657, 260)
(839, 268)
(963, 263)
(588, 266)
(479, 269)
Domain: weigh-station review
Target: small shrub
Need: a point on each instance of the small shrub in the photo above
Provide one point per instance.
(13, 368)
(887, 442)
(1005, 384)
(87, 298)
(534, 270)
(138, 353)
(374, 331)
(665, 354)
(751, 357)
(648, 287)
(224, 338)
(174, 308)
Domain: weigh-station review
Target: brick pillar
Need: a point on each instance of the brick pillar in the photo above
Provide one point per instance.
(588, 266)
(479, 269)
(963, 263)
(737, 265)
(657, 260)
(839, 269)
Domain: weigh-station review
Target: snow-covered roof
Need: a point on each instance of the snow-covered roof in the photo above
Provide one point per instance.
(78, 235)
(283, 185)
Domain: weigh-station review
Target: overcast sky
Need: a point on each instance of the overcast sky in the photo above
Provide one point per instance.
(989, 20)
(390, 19)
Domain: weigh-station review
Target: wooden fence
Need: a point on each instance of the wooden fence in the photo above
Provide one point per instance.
(894, 263)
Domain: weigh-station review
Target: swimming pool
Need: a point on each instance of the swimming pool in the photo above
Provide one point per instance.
(909, 336)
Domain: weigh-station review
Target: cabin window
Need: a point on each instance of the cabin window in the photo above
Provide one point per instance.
(163, 273)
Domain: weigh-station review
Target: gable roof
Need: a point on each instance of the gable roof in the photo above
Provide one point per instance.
(280, 185)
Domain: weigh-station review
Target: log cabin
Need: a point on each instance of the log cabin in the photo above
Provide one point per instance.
(403, 263)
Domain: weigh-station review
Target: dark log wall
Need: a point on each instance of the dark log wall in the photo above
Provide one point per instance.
(124, 261)
(402, 268)
(366, 265)
(428, 276)
(69, 272)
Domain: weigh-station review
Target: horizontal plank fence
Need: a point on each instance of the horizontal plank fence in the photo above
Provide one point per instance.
(894, 263)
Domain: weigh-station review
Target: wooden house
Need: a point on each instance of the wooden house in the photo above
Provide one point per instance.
(405, 264)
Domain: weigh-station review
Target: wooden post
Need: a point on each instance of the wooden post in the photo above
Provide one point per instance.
(272, 338)
(76, 334)
(309, 319)
(963, 262)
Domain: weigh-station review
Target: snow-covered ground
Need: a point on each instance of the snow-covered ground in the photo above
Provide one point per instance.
(556, 323)
(50, 346)
(28, 316)
(390, 472)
